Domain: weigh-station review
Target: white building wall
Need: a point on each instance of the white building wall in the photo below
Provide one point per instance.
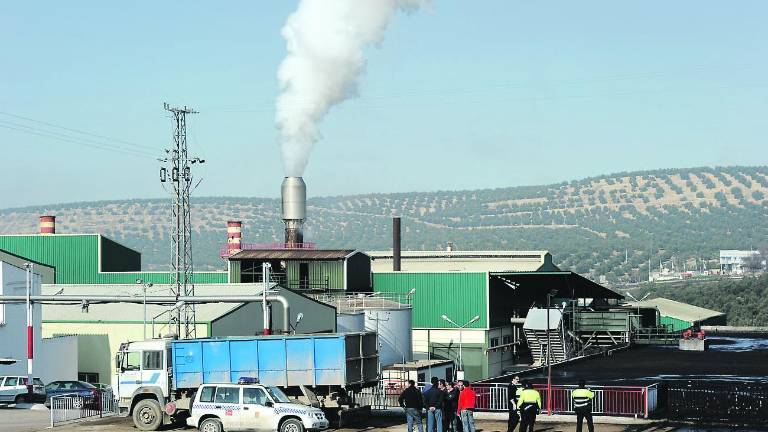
(13, 321)
(58, 360)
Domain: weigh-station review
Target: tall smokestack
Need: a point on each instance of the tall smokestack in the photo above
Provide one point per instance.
(294, 194)
(395, 244)
(47, 224)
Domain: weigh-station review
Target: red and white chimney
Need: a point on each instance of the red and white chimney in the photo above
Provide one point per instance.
(234, 236)
(47, 224)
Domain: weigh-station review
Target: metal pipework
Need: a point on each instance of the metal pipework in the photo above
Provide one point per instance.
(161, 300)
(294, 205)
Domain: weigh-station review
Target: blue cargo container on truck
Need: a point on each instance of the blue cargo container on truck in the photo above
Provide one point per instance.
(159, 377)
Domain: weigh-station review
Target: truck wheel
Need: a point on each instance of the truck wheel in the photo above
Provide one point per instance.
(19, 399)
(292, 425)
(211, 425)
(147, 415)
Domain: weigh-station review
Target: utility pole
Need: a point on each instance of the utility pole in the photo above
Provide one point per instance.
(182, 283)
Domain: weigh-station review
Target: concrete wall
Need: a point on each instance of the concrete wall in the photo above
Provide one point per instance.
(13, 321)
(59, 359)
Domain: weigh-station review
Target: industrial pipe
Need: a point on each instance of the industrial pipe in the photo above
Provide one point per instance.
(161, 300)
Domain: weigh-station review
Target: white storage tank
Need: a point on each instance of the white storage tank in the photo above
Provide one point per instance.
(350, 322)
(394, 326)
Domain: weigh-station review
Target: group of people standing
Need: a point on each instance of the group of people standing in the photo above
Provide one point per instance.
(450, 406)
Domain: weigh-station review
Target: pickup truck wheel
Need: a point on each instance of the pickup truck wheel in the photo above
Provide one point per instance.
(147, 415)
(19, 399)
(211, 425)
(292, 425)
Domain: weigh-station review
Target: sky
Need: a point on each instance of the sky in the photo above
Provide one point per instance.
(458, 95)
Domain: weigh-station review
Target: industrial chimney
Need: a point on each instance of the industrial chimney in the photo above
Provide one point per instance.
(234, 236)
(47, 224)
(294, 194)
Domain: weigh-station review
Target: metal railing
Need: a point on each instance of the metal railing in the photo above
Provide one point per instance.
(72, 408)
(357, 302)
(609, 400)
(225, 250)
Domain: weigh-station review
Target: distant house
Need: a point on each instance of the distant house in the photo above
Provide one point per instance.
(735, 262)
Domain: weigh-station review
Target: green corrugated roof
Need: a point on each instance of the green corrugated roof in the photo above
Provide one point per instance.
(459, 295)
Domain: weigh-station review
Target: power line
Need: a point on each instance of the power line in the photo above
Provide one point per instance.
(130, 143)
(74, 140)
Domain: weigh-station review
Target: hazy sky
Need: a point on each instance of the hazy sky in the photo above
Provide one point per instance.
(462, 95)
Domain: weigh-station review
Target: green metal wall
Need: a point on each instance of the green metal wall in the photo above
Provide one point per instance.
(676, 324)
(75, 257)
(76, 260)
(118, 258)
(234, 271)
(319, 273)
(459, 295)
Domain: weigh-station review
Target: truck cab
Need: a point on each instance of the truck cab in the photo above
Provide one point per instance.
(142, 385)
(248, 405)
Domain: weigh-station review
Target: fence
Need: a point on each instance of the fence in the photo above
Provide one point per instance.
(609, 400)
(71, 408)
(732, 402)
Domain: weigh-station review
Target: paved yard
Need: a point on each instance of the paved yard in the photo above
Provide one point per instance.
(385, 423)
(19, 420)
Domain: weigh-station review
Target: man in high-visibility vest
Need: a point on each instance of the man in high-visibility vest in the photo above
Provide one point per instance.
(530, 404)
(582, 404)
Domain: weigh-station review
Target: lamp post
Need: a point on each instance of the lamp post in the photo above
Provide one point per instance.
(460, 327)
(144, 287)
(30, 280)
(550, 294)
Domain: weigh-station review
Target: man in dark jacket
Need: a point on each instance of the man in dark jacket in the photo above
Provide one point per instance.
(410, 399)
(451, 404)
(433, 399)
(514, 418)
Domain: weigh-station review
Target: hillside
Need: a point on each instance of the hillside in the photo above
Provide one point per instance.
(608, 225)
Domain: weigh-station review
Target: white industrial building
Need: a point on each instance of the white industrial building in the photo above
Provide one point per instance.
(50, 360)
(734, 261)
(452, 260)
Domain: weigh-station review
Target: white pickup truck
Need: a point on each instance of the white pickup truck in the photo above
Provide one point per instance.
(235, 407)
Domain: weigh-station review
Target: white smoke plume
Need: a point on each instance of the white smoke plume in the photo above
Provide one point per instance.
(325, 41)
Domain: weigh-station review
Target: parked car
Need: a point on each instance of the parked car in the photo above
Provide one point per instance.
(237, 407)
(13, 389)
(90, 394)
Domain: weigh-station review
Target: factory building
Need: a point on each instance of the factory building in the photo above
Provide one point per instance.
(304, 269)
(735, 262)
(89, 258)
(679, 316)
(494, 342)
(100, 328)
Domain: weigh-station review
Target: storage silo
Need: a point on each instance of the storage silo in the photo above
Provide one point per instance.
(350, 322)
(393, 326)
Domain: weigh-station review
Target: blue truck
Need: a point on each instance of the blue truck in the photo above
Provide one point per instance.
(157, 379)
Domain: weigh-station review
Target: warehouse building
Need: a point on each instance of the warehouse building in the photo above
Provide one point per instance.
(90, 259)
(680, 316)
(100, 328)
(445, 304)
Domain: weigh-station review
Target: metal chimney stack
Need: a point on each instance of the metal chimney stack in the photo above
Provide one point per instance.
(294, 194)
